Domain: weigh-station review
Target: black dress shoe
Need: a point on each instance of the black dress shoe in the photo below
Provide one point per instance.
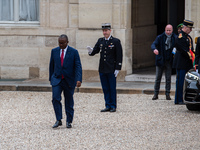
(69, 125)
(58, 123)
(113, 110)
(105, 110)
(155, 97)
(168, 97)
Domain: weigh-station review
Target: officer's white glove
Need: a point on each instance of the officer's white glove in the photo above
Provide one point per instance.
(90, 49)
(116, 73)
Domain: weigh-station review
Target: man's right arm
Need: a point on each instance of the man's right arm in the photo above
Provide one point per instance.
(154, 46)
(96, 49)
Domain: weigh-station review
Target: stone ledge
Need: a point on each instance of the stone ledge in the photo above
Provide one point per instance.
(34, 88)
(81, 90)
(8, 88)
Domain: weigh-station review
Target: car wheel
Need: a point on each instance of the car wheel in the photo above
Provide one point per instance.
(193, 107)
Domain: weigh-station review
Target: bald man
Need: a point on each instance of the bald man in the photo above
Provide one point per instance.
(162, 47)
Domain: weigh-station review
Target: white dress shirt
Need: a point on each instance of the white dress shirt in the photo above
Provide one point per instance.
(65, 50)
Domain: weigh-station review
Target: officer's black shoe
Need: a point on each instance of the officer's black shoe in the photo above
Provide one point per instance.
(58, 123)
(155, 97)
(168, 97)
(105, 110)
(69, 125)
(113, 110)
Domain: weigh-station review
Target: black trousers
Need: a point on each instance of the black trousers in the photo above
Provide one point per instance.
(159, 71)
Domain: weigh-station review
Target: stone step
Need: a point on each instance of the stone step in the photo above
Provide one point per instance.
(147, 78)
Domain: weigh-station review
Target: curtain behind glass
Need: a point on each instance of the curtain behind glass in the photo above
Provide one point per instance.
(28, 10)
(6, 10)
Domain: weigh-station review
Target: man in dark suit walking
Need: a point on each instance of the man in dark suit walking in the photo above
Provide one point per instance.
(65, 72)
(109, 65)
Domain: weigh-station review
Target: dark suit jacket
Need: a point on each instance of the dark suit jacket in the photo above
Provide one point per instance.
(110, 54)
(197, 54)
(159, 44)
(71, 70)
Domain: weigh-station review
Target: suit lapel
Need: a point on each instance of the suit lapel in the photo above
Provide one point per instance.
(67, 55)
(58, 55)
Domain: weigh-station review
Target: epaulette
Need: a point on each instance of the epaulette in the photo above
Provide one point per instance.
(180, 35)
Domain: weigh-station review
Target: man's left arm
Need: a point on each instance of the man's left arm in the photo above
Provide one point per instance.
(78, 70)
(119, 56)
(51, 65)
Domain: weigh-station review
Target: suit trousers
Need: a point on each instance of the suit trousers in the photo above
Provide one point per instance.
(69, 101)
(108, 83)
(180, 77)
(159, 71)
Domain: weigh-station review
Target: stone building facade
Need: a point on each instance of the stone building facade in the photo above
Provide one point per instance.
(25, 48)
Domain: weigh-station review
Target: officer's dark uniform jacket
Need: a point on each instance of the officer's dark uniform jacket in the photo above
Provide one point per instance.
(197, 54)
(182, 59)
(110, 54)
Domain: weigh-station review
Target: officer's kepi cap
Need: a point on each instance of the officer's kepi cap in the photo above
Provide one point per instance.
(188, 23)
(106, 26)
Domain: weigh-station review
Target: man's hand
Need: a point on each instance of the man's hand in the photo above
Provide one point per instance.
(90, 49)
(78, 83)
(156, 51)
(189, 54)
(116, 73)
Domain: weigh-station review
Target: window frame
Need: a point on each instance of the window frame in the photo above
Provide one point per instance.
(16, 21)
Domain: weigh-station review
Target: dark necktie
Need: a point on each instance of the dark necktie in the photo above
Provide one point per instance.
(62, 59)
(106, 41)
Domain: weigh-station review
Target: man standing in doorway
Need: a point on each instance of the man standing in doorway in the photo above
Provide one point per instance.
(109, 65)
(162, 47)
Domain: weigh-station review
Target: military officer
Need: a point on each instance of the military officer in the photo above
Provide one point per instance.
(182, 59)
(179, 27)
(109, 65)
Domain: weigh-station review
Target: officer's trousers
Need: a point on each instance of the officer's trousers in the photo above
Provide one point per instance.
(108, 83)
(180, 76)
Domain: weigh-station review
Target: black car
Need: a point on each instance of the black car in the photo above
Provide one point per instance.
(191, 90)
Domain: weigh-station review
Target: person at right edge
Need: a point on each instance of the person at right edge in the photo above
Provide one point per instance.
(183, 58)
(197, 55)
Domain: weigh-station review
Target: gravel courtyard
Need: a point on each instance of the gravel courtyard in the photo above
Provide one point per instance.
(26, 119)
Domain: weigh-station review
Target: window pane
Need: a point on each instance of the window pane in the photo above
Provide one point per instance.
(6, 10)
(28, 10)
